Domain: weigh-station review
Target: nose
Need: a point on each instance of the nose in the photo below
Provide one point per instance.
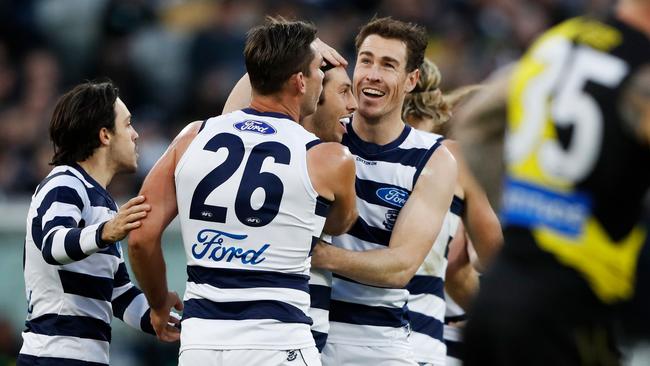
(373, 73)
(135, 135)
(351, 102)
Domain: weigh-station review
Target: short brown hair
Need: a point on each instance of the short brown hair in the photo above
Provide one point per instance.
(276, 50)
(413, 35)
(78, 117)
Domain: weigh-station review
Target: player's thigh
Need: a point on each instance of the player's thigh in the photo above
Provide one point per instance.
(297, 357)
(336, 354)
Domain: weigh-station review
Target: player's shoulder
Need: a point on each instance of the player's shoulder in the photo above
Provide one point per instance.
(64, 180)
(421, 139)
(331, 156)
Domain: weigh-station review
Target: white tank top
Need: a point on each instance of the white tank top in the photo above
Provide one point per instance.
(249, 217)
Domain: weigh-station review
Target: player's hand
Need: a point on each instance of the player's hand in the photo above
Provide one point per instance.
(319, 255)
(128, 218)
(329, 53)
(165, 323)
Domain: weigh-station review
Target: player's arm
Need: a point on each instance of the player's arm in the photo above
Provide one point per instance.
(479, 218)
(129, 303)
(417, 227)
(60, 213)
(332, 173)
(479, 127)
(461, 279)
(240, 96)
(145, 250)
(634, 104)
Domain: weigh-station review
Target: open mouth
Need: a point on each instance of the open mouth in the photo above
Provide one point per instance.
(372, 93)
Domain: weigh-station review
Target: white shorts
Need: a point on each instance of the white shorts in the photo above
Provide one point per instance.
(337, 354)
(249, 357)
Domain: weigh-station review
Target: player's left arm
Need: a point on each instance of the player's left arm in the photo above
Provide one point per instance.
(145, 250)
(417, 227)
(634, 104)
(129, 303)
(240, 96)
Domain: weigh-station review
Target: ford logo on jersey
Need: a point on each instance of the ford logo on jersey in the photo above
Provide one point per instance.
(211, 246)
(393, 196)
(255, 126)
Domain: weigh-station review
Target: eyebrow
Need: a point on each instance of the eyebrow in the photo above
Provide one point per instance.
(383, 58)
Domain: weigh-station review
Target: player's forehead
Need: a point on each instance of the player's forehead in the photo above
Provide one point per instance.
(337, 77)
(377, 46)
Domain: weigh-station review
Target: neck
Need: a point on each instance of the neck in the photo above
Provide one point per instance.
(278, 103)
(635, 13)
(380, 131)
(99, 169)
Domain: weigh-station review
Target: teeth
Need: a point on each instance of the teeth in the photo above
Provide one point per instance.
(373, 92)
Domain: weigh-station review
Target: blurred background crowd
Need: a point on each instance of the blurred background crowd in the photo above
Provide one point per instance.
(175, 61)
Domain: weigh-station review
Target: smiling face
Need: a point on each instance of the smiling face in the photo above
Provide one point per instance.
(380, 78)
(336, 102)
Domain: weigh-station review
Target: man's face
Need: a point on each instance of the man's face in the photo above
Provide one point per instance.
(122, 145)
(380, 77)
(314, 84)
(337, 101)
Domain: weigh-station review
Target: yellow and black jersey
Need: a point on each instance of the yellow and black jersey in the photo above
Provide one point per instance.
(576, 174)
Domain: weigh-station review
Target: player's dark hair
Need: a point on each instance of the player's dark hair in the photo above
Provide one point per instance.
(78, 117)
(276, 50)
(414, 37)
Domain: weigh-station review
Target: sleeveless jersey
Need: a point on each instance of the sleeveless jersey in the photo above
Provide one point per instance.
(576, 173)
(385, 176)
(249, 217)
(426, 301)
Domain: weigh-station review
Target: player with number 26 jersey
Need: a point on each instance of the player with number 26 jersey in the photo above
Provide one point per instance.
(247, 277)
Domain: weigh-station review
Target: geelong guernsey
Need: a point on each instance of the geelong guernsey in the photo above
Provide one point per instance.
(75, 283)
(249, 218)
(427, 297)
(385, 176)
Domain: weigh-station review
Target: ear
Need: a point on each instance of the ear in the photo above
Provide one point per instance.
(299, 82)
(105, 136)
(412, 80)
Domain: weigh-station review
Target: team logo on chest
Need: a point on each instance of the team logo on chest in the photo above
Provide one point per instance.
(250, 125)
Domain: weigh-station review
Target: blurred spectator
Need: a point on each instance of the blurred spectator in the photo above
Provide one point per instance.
(180, 58)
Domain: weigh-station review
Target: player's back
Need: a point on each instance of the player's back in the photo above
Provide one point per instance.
(577, 173)
(249, 216)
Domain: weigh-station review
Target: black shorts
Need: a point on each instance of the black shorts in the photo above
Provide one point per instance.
(533, 311)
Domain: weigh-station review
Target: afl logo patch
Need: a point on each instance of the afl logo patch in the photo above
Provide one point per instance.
(393, 196)
(255, 126)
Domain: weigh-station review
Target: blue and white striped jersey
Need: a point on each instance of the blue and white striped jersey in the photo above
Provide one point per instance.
(249, 218)
(385, 177)
(453, 332)
(74, 282)
(427, 302)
